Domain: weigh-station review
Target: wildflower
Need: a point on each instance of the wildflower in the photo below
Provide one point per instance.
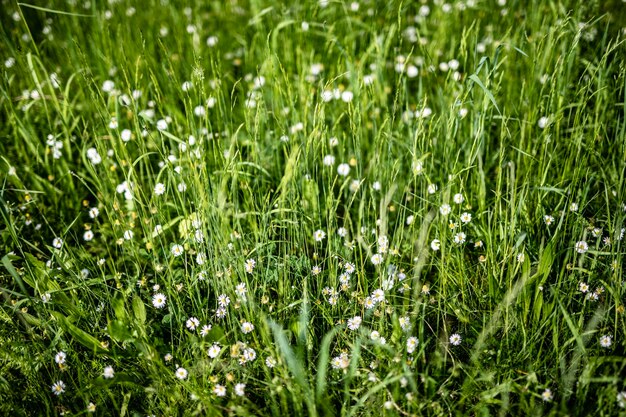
(417, 167)
(168, 357)
(354, 323)
(220, 313)
(343, 169)
(94, 212)
(57, 243)
(88, 236)
(316, 270)
(128, 235)
(192, 323)
(521, 257)
(159, 189)
(177, 250)
(458, 198)
(219, 390)
(45, 297)
(583, 287)
(411, 344)
(60, 357)
(432, 188)
(573, 207)
(161, 124)
(546, 395)
(204, 332)
(319, 235)
(435, 244)
(240, 390)
(329, 160)
(378, 295)
(377, 259)
(58, 388)
(181, 373)
(158, 300)
(410, 219)
(455, 339)
(223, 300)
(606, 341)
(369, 303)
(459, 238)
(466, 217)
(214, 351)
(108, 372)
(445, 209)
(270, 362)
(248, 356)
(581, 246)
(249, 266)
(91, 408)
(247, 327)
(126, 135)
(548, 220)
(342, 231)
(621, 399)
(405, 323)
(340, 362)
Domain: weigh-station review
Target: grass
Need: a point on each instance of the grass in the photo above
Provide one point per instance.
(353, 209)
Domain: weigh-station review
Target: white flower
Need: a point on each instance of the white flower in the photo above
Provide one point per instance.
(319, 235)
(108, 86)
(458, 198)
(161, 124)
(606, 341)
(128, 235)
(205, 330)
(192, 323)
(249, 266)
(342, 231)
(445, 209)
(58, 388)
(573, 207)
(377, 259)
(581, 246)
(214, 351)
(410, 219)
(459, 238)
(543, 122)
(126, 135)
(219, 390)
(432, 188)
(223, 300)
(108, 372)
(548, 220)
(546, 395)
(247, 327)
(94, 212)
(583, 287)
(417, 167)
(211, 41)
(240, 390)
(343, 169)
(177, 250)
(88, 235)
(521, 257)
(455, 339)
(181, 373)
(60, 357)
(347, 96)
(411, 344)
(57, 243)
(329, 160)
(159, 189)
(354, 323)
(270, 362)
(466, 217)
(435, 244)
(405, 323)
(158, 300)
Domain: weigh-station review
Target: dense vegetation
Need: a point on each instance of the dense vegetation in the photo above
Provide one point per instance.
(320, 207)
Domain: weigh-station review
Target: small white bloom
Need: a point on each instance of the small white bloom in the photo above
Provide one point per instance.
(581, 246)
(108, 372)
(158, 300)
(435, 244)
(455, 339)
(343, 169)
(181, 373)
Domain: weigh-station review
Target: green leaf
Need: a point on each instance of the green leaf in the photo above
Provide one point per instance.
(79, 335)
(139, 310)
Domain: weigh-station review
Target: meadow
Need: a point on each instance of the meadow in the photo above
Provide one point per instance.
(312, 208)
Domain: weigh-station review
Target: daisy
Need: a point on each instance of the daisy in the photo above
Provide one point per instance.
(158, 300)
(466, 217)
(432, 188)
(219, 390)
(60, 357)
(369, 303)
(181, 373)
(405, 323)
(435, 244)
(316, 270)
(161, 124)
(329, 160)
(455, 339)
(240, 390)
(94, 212)
(521, 257)
(581, 246)
(459, 238)
(583, 287)
(214, 351)
(354, 323)
(458, 198)
(126, 135)
(177, 250)
(204, 332)
(445, 209)
(548, 220)
(159, 189)
(88, 236)
(546, 395)
(270, 362)
(249, 266)
(606, 341)
(411, 344)
(192, 323)
(343, 170)
(58, 388)
(223, 300)
(319, 235)
(247, 327)
(377, 259)
(342, 231)
(108, 372)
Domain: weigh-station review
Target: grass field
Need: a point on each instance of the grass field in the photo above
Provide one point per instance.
(372, 208)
